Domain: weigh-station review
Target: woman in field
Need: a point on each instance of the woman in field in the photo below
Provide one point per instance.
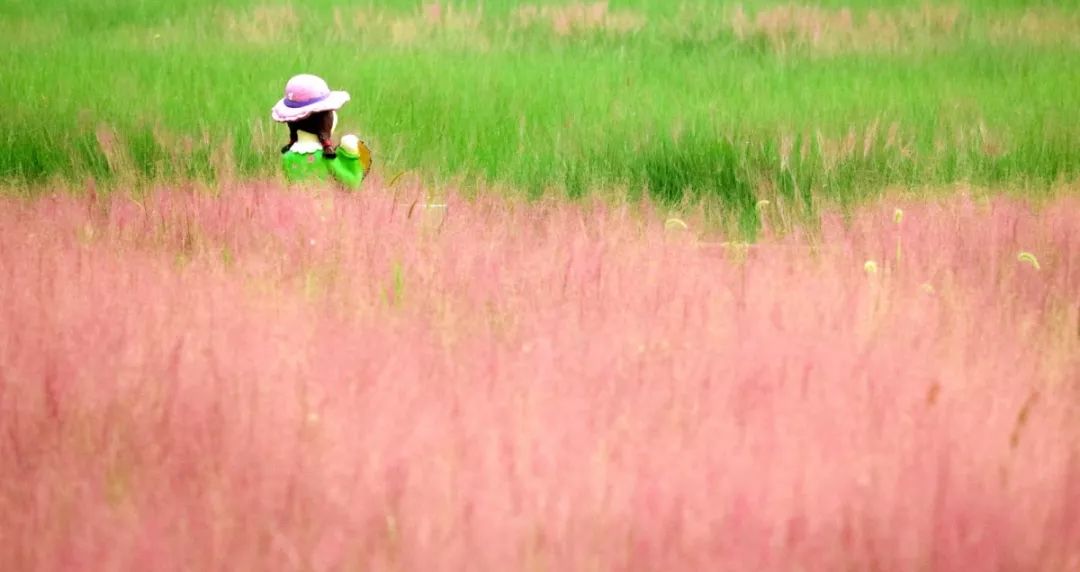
(309, 108)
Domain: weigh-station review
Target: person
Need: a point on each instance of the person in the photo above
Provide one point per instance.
(309, 108)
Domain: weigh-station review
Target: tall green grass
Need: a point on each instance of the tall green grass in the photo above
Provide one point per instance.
(680, 106)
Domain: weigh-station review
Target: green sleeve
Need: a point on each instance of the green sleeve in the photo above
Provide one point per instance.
(346, 169)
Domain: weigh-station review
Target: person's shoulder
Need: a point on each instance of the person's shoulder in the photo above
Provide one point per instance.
(294, 157)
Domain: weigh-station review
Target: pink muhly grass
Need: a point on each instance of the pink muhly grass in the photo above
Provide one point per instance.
(274, 380)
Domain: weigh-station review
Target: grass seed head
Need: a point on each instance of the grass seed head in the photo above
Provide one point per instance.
(1029, 258)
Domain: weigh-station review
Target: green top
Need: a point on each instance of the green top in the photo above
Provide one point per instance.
(314, 167)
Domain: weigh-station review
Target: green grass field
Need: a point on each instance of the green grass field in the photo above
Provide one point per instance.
(738, 102)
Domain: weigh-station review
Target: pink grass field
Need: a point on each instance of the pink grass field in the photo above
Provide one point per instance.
(271, 380)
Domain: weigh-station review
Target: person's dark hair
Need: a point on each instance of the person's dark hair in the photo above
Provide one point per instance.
(320, 124)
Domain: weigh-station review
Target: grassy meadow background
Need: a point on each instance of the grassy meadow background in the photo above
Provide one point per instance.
(733, 101)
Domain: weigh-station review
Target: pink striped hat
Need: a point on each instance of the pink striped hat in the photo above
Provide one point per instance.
(306, 94)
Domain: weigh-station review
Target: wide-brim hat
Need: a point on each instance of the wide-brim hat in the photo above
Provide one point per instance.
(306, 94)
